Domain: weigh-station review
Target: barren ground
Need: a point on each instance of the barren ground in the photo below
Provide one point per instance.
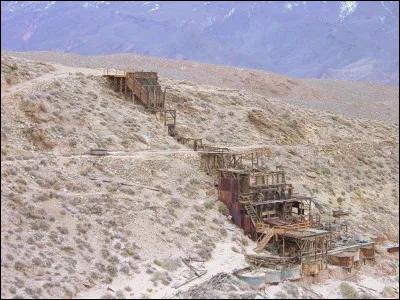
(74, 225)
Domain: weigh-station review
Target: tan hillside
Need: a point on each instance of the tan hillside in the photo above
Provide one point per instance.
(80, 226)
(353, 99)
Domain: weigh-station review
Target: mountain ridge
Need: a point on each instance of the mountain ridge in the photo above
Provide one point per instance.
(343, 40)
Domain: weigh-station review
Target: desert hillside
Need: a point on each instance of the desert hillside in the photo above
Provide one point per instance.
(352, 99)
(79, 226)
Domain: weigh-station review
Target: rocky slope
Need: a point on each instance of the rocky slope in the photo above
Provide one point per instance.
(74, 225)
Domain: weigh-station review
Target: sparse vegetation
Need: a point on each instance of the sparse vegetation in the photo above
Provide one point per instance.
(74, 219)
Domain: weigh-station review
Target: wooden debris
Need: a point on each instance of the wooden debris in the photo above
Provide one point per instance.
(98, 152)
(269, 261)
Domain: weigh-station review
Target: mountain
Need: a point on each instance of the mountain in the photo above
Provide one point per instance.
(347, 40)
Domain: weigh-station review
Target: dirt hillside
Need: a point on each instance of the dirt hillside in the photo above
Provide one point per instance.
(353, 99)
(80, 226)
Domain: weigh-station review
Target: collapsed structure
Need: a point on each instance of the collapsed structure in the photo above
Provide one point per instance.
(264, 204)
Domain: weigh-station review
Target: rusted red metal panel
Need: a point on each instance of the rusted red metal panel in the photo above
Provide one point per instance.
(225, 197)
(247, 223)
(228, 197)
(234, 184)
(237, 220)
(230, 208)
(343, 261)
(234, 197)
(222, 197)
(235, 206)
(368, 253)
(224, 184)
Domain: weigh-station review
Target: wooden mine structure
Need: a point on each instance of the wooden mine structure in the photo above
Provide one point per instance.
(215, 158)
(141, 87)
(264, 205)
(144, 88)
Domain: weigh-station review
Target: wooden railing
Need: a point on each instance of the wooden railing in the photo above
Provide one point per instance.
(305, 224)
(261, 227)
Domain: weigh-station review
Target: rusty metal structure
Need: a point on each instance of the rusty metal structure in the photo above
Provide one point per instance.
(264, 205)
(393, 249)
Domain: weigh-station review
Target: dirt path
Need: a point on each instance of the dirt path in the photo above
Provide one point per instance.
(60, 72)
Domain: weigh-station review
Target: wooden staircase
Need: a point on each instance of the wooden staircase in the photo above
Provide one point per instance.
(264, 241)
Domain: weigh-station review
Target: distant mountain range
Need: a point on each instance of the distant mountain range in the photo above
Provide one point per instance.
(346, 40)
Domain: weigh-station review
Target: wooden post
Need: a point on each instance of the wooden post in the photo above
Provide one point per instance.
(283, 247)
(154, 95)
(115, 84)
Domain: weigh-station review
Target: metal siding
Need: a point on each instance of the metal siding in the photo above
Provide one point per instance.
(247, 223)
(368, 253)
(273, 276)
(291, 274)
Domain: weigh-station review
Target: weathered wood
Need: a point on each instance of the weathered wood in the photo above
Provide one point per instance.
(190, 267)
(191, 279)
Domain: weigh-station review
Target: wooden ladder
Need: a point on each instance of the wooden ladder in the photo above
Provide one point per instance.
(252, 213)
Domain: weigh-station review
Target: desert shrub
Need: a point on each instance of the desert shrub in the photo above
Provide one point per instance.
(127, 190)
(223, 232)
(40, 225)
(388, 292)
(112, 270)
(348, 292)
(175, 203)
(292, 290)
(172, 212)
(209, 204)
(223, 209)
(340, 200)
(245, 242)
(62, 230)
(169, 264)
(189, 224)
(203, 250)
(19, 266)
(120, 294)
(161, 276)
(92, 95)
(198, 208)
